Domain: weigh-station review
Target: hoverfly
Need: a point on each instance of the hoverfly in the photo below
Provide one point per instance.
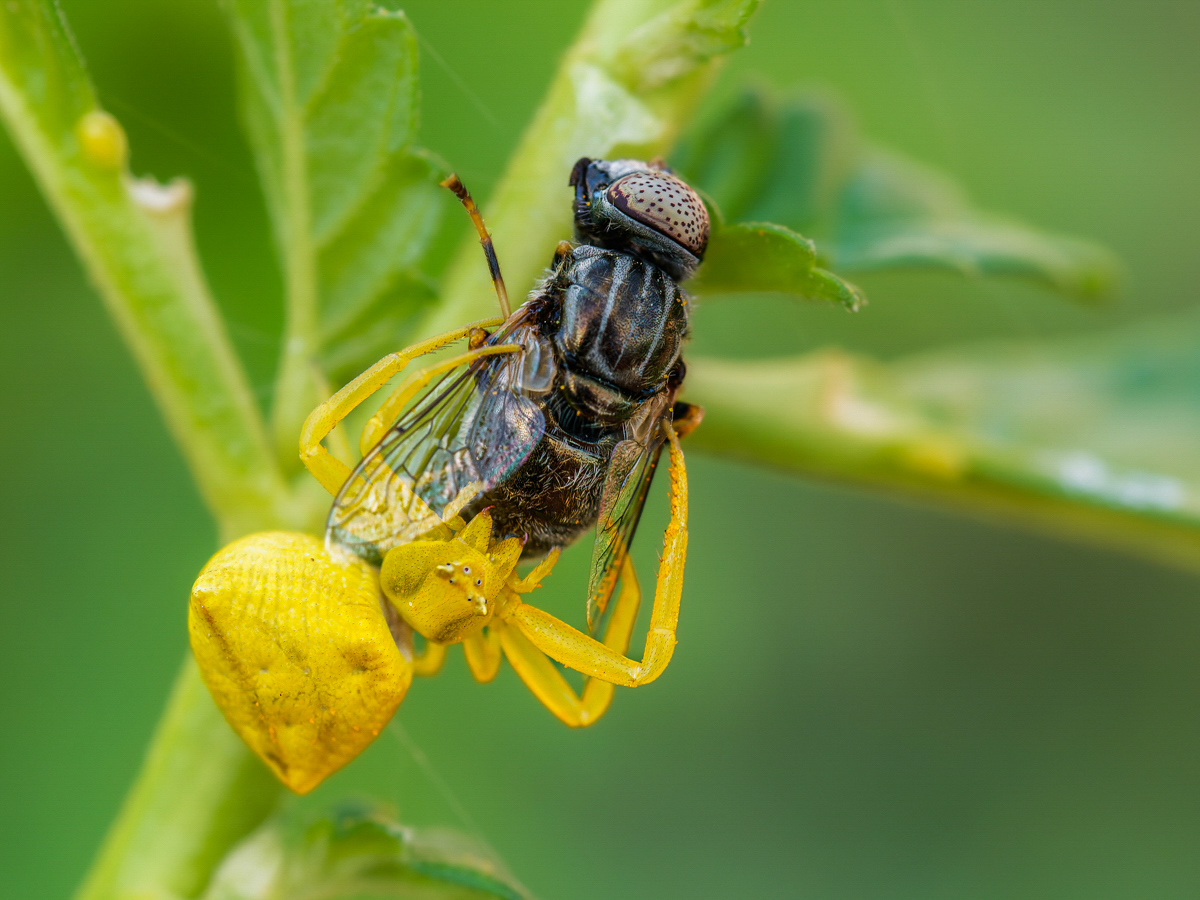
(549, 424)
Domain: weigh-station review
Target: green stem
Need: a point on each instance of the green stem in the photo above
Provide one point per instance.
(295, 388)
(200, 791)
(134, 239)
(834, 416)
(591, 109)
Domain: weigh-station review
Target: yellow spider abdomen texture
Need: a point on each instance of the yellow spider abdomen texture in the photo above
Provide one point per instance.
(294, 647)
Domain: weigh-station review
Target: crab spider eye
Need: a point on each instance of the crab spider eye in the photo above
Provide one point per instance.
(443, 603)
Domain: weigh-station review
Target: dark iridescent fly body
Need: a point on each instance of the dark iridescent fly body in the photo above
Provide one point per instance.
(614, 326)
(566, 434)
(614, 321)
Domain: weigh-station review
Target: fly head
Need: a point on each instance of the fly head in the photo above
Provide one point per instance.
(642, 208)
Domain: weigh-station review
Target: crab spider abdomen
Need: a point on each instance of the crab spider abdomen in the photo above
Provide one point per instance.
(293, 643)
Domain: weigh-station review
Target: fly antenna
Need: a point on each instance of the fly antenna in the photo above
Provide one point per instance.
(485, 239)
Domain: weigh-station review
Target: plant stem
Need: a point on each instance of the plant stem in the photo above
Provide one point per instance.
(295, 388)
(200, 789)
(199, 792)
(831, 415)
(134, 239)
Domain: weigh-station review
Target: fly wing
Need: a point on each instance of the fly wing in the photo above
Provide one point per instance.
(630, 472)
(472, 430)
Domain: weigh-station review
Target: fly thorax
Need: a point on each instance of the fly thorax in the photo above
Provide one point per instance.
(623, 321)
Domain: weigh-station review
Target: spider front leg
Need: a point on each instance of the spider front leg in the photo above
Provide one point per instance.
(330, 471)
(483, 653)
(430, 660)
(547, 683)
(585, 654)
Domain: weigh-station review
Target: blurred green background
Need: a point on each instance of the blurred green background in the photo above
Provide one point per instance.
(869, 699)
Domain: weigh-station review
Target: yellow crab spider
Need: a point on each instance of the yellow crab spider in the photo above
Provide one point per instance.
(419, 577)
(294, 639)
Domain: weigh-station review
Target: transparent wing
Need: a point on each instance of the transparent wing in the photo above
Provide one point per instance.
(630, 472)
(472, 430)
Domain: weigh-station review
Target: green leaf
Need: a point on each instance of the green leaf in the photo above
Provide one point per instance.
(800, 163)
(1097, 437)
(760, 256)
(371, 334)
(358, 852)
(329, 99)
(372, 267)
(896, 214)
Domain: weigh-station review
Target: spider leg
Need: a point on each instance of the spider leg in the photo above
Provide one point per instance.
(578, 651)
(552, 690)
(547, 683)
(389, 411)
(540, 571)
(483, 654)
(429, 661)
(328, 469)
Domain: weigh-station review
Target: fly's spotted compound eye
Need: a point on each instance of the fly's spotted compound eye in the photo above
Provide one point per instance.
(664, 203)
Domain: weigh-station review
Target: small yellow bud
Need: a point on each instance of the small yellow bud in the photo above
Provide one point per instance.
(103, 140)
(936, 457)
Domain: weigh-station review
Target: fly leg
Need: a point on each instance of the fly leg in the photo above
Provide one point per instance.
(578, 651)
(547, 683)
(485, 239)
(326, 468)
